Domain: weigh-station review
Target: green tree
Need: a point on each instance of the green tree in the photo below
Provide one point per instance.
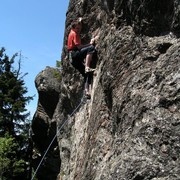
(58, 64)
(5, 149)
(12, 96)
(7, 153)
(13, 119)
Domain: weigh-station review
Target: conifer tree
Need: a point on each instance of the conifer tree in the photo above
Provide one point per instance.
(14, 121)
(13, 101)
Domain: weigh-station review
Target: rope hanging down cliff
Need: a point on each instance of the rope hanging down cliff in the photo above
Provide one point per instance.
(63, 123)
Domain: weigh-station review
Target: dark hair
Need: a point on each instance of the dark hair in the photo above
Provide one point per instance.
(75, 23)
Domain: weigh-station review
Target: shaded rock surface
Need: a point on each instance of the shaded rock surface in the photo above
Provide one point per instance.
(43, 124)
(130, 129)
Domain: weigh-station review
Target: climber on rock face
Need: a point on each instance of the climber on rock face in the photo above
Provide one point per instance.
(81, 55)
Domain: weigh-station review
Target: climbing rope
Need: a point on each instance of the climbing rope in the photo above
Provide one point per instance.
(82, 100)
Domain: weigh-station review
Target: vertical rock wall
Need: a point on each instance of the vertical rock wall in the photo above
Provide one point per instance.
(44, 125)
(130, 129)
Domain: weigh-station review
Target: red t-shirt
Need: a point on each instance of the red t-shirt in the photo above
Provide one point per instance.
(73, 40)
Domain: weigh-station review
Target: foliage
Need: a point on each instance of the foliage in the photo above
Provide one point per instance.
(57, 74)
(58, 64)
(6, 152)
(12, 96)
(19, 167)
(14, 123)
(10, 165)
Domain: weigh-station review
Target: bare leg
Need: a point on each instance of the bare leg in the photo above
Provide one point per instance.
(87, 91)
(88, 60)
(86, 87)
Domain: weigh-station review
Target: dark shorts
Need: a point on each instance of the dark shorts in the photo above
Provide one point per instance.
(78, 57)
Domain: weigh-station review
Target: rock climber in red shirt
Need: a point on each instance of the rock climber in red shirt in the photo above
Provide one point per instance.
(81, 54)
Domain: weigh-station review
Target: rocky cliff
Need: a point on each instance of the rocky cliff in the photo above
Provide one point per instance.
(130, 129)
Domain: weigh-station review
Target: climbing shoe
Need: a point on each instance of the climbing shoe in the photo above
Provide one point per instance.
(88, 96)
(88, 69)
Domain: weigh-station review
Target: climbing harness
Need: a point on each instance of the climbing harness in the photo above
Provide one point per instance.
(63, 123)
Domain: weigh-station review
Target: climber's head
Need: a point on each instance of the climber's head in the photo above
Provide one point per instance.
(76, 26)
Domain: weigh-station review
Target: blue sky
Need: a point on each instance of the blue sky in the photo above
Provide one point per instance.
(36, 28)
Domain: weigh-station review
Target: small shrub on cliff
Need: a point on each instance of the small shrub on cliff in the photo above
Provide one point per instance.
(57, 74)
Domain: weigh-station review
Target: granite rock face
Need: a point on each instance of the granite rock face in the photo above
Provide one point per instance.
(44, 124)
(130, 129)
